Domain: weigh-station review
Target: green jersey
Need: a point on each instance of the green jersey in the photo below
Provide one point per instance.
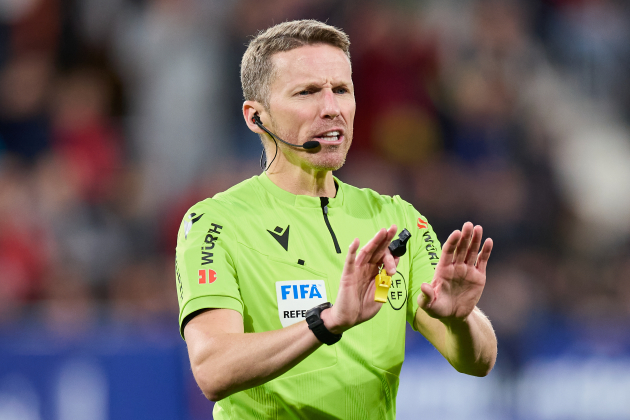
(272, 255)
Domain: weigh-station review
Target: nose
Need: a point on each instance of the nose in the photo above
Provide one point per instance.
(330, 105)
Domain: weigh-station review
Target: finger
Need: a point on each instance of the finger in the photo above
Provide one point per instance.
(389, 263)
(379, 253)
(426, 297)
(448, 250)
(368, 250)
(351, 256)
(464, 242)
(484, 255)
(473, 248)
(391, 269)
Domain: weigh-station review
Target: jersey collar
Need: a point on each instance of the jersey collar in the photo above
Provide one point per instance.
(300, 200)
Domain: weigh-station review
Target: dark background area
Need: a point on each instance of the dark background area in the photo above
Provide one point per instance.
(116, 116)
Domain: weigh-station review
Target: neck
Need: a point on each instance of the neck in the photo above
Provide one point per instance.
(303, 181)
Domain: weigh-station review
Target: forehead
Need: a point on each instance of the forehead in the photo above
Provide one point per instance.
(318, 63)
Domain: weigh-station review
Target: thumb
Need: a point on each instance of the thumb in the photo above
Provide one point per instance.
(426, 297)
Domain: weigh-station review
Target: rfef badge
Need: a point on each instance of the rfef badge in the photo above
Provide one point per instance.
(397, 293)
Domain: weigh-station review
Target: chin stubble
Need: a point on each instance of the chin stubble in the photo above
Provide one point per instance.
(332, 159)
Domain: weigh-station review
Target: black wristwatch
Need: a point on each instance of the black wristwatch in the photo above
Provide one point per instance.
(316, 324)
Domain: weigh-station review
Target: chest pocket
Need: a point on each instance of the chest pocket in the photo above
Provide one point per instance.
(388, 326)
(262, 293)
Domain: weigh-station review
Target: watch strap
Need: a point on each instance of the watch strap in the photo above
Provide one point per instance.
(316, 324)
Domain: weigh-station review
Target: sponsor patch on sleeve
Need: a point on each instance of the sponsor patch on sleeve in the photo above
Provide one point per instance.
(207, 276)
(295, 297)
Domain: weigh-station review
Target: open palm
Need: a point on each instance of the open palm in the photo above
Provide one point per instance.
(355, 300)
(459, 277)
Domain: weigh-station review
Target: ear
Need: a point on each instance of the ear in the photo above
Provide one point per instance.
(251, 108)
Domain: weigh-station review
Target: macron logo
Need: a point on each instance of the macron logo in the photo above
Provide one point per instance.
(302, 291)
(282, 239)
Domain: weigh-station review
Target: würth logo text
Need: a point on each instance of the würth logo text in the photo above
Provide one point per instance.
(209, 242)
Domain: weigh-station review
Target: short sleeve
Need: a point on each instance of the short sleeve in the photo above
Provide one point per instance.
(425, 254)
(205, 261)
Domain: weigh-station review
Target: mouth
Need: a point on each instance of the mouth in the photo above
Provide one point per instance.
(335, 136)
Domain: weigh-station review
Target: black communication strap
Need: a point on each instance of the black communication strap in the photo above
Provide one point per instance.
(263, 155)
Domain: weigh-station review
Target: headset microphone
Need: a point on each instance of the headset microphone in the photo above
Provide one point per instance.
(307, 146)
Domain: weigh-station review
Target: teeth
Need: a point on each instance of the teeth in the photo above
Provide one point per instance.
(331, 134)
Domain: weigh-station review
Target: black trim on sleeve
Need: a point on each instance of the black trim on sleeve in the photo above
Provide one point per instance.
(191, 316)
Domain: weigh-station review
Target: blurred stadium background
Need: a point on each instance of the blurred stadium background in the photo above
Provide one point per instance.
(117, 115)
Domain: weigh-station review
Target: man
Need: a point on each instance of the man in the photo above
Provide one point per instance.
(252, 261)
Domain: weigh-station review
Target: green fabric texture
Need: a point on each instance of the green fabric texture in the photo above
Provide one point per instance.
(269, 255)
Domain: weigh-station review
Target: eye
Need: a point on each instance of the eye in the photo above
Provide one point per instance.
(341, 90)
(304, 92)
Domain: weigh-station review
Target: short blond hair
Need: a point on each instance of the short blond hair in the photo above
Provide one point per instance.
(257, 68)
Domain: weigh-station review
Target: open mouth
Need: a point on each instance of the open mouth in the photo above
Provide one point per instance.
(333, 136)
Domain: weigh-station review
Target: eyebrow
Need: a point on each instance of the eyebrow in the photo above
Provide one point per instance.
(317, 86)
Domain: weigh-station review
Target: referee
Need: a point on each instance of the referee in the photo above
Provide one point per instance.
(259, 265)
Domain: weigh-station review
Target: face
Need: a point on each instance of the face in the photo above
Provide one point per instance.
(312, 98)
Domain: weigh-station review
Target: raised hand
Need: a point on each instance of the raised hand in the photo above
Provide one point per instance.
(355, 300)
(459, 277)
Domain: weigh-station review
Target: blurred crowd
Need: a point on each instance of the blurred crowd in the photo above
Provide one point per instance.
(116, 116)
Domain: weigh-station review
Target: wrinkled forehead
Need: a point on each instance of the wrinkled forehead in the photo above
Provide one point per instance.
(311, 64)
